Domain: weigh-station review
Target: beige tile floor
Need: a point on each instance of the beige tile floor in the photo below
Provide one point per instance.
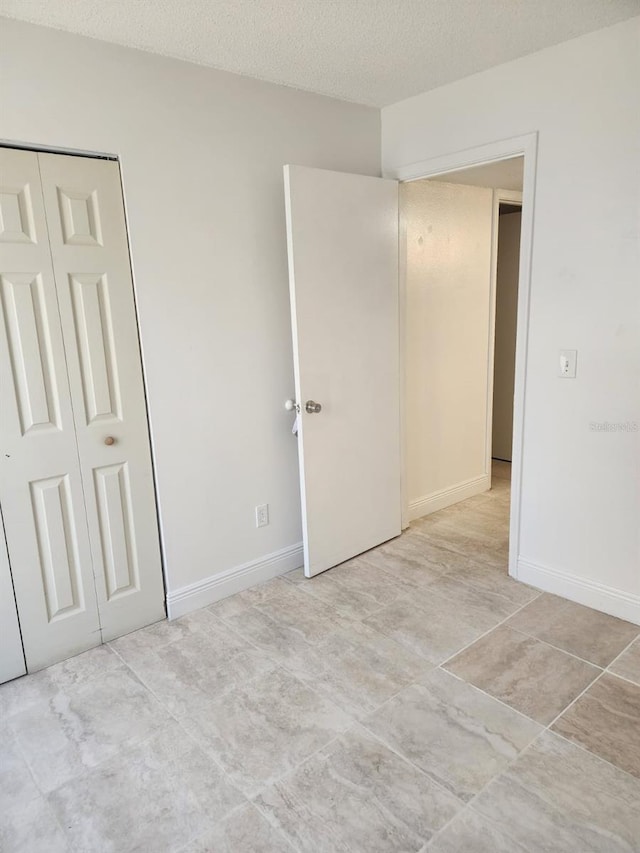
(414, 699)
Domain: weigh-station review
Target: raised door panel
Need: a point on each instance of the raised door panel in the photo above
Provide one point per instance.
(31, 356)
(93, 322)
(85, 214)
(40, 484)
(117, 530)
(16, 213)
(12, 663)
(57, 540)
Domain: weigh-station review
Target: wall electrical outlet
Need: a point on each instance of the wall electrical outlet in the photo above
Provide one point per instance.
(262, 515)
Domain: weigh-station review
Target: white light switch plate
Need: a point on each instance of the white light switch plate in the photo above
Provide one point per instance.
(567, 359)
(262, 515)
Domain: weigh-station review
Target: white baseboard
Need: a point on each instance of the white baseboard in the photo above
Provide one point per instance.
(231, 581)
(605, 598)
(447, 497)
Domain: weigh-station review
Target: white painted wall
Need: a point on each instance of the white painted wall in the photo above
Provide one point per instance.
(581, 488)
(448, 306)
(504, 360)
(202, 154)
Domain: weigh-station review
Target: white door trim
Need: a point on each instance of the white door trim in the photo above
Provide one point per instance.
(504, 149)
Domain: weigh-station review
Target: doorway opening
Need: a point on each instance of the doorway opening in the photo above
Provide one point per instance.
(461, 249)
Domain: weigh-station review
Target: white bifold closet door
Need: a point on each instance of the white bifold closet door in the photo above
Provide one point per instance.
(12, 663)
(76, 479)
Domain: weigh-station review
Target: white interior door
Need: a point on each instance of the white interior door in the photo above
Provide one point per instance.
(11, 653)
(40, 483)
(85, 215)
(342, 233)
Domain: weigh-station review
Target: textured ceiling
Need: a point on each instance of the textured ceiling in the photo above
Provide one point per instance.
(371, 51)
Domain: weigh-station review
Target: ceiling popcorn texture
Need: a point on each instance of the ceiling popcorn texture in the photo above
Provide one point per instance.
(373, 52)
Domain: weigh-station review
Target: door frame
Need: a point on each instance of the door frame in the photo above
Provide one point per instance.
(504, 149)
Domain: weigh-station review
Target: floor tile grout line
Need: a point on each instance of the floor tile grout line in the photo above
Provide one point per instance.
(230, 814)
(277, 665)
(626, 648)
(543, 730)
(587, 751)
(445, 546)
(451, 571)
(315, 599)
(451, 600)
(469, 807)
(251, 642)
(24, 679)
(574, 700)
(86, 769)
(437, 592)
(319, 598)
(359, 618)
(459, 554)
(304, 678)
(540, 640)
(294, 673)
(469, 525)
(439, 540)
(486, 633)
(289, 772)
(465, 805)
(444, 595)
(178, 721)
(465, 808)
(42, 793)
(249, 680)
(548, 727)
(544, 727)
(505, 769)
(428, 666)
(248, 798)
(89, 769)
(356, 721)
(411, 763)
(493, 698)
(557, 648)
(27, 763)
(622, 677)
(477, 588)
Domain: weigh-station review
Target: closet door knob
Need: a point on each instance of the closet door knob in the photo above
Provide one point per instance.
(109, 440)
